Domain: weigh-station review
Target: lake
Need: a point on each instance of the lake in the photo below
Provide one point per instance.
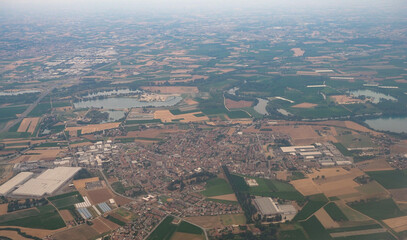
(375, 96)
(392, 124)
(125, 102)
(18, 92)
(111, 92)
(261, 106)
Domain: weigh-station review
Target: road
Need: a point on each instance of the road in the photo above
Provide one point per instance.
(29, 109)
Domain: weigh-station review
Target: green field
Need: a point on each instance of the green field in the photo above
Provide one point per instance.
(66, 200)
(378, 209)
(9, 113)
(390, 179)
(46, 217)
(376, 236)
(115, 220)
(40, 110)
(314, 204)
(356, 228)
(315, 230)
(297, 234)
(165, 230)
(216, 187)
(268, 188)
(336, 214)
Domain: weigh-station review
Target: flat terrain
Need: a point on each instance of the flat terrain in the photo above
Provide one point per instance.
(178, 90)
(216, 221)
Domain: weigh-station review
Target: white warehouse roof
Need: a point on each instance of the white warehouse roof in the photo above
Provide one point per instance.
(11, 184)
(294, 148)
(48, 182)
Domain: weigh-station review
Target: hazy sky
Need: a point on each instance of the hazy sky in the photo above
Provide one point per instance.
(188, 6)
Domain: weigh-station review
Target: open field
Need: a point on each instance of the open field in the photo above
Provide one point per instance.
(306, 186)
(335, 212)
(186, 236)
(305, 105)
(73, 131)
(217, 221)
(167, 116)
(350, 213)
(226, 197)
(315, 230)
(81, 183)
(217, 187)
(99, 195)
(378, 209)
(390, 179)
(300, 134)
(12, 235)
(36, 155)
(314, 204)
(230, 104)
(166, 229)
(171, 89)
(100, 226)
(66, 200)
(45, 217)
(398, 224)
(81, 232)
(296, 234)
(66, 215)
(28, 125)
(399, 194)
(379, 164)
(325, 219)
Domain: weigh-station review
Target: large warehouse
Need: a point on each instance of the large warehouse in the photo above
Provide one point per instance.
(13, 183)
(266, 207)
(47, 183)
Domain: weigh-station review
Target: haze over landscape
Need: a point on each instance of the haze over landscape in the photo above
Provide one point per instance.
(203, 119)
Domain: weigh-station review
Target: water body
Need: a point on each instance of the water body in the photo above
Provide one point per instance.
(126, 102)
(392, 124)
(375, 96)
(111, 92)
(261, 106)
(18, 92)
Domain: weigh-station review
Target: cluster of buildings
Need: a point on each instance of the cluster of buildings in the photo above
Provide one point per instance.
(46, 184)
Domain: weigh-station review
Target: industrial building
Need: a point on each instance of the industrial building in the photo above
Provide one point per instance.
(267, 207)
(47, 183)
(13, 183)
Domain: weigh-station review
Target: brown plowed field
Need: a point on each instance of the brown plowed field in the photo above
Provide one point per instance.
(230, 104)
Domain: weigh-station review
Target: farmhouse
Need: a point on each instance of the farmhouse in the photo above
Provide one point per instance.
(47, 183)
(13, 183)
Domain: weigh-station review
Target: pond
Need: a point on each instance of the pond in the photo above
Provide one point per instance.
(126, 102)
(261, 106)
(392, 124)
(375, 96)
(111, 92)
(114, 115)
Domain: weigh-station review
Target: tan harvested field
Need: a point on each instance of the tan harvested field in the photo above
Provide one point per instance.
(63, 109)
(121, 200)
(230, 104)
(228, 197)
(186, 236)
(305, 105)
(81, 184)
(359, 232)
(190, 101)
(399, 148)
(66, 215)
(167, 116)
(307, 73)
(100, 226)
(12, 235)
(3, 208)
(374, 165)
(300, 134)
(360, 128)
(398, 224)
(91, 128)
(343, 99)
(41, 233)
(217, 221)
(298, 52)
(108, 223)
(306, 186)
(36, 155)
(82, 232)
(28, 125)
(171, 89)
(80, 144)
(99, 195)
(282, 175)
(325, 219)
(337, 182)
(399, 194)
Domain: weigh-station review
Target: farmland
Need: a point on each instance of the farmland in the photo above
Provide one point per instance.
(390, 179)
(378, 209)
(315, 203)
(166, 229)
(66, 200)
(216, 187)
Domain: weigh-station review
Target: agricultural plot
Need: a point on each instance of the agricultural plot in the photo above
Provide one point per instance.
(335, 212)
(83, 232)
(28, 125)
(392, 179)
(268, 188)
(46, 217)
(315, 230)
(216, 187)
(9, 113)
(73, 131)
(166, 230)
(378, 209)
(297, 234)
(314, 204)
(375, 236)
(65, 200)
(40, 110)
(216, 221)
(351, 141)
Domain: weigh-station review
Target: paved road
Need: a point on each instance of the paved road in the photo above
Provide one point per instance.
(28, 110)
